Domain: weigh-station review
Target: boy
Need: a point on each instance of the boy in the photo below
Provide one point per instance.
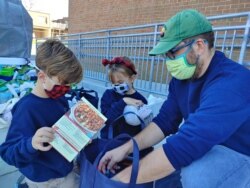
(27, 142)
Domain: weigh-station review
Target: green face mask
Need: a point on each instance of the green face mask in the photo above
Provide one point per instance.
(179, 67)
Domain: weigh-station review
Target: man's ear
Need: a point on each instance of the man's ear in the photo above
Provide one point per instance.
(200, 46)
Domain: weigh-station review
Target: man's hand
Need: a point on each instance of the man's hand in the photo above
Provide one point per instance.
(111, 158)
(131, 101)
(44, 135)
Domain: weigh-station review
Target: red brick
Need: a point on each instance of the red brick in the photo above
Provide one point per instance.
(91, 15)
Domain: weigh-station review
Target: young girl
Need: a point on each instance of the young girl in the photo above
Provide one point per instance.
(122, 75)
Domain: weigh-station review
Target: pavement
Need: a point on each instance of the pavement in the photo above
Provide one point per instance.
(8, 174)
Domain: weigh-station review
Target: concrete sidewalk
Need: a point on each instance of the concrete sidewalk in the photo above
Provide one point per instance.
(8, 174)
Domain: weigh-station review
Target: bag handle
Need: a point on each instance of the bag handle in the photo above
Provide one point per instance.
(82, 90)
(77, 92)
(111, 127)
(136, 157)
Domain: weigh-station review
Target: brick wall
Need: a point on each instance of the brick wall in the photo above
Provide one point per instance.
(92, 15)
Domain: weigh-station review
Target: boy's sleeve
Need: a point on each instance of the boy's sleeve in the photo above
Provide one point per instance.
(169, 117)
(111, 109)
(17, 149)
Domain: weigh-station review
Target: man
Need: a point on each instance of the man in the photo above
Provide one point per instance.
(211, 94)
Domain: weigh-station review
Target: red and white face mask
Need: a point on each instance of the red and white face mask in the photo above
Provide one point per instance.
(57, 90)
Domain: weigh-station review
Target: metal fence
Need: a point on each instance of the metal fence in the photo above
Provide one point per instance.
(231, 37)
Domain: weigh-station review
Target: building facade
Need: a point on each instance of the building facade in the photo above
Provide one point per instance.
(41, 24)
(92, 15)
(44, 27)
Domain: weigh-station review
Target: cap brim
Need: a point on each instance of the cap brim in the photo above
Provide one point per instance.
(163, 46)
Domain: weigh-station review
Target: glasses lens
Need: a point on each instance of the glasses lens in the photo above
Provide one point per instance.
(170, 55)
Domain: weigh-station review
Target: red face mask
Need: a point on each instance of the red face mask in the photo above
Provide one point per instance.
(57, 91)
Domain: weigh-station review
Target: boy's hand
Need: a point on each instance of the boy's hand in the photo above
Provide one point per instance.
(42, 137)
(131, 101)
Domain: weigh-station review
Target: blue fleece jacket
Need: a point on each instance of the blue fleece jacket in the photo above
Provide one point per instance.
(215, 109)
(112, 106)
(30, 114)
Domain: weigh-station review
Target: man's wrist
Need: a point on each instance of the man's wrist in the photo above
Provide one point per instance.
(123, 176)
(129, 147)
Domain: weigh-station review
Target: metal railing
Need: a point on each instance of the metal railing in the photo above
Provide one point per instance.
(231, 37)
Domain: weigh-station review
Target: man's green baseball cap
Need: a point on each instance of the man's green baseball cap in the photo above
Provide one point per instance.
(183, 25)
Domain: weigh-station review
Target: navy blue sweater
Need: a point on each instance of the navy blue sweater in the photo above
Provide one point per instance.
(215, 109)
(30, 114)
(112, 106)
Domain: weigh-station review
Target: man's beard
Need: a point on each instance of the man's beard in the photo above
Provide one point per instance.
(198, 68)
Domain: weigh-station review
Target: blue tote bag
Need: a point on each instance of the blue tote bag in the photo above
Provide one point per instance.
(92, 178)
(144, 152)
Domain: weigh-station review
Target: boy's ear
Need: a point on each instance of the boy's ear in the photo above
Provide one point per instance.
(41, 76)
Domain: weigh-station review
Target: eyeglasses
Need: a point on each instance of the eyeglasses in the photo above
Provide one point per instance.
(171, 53)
